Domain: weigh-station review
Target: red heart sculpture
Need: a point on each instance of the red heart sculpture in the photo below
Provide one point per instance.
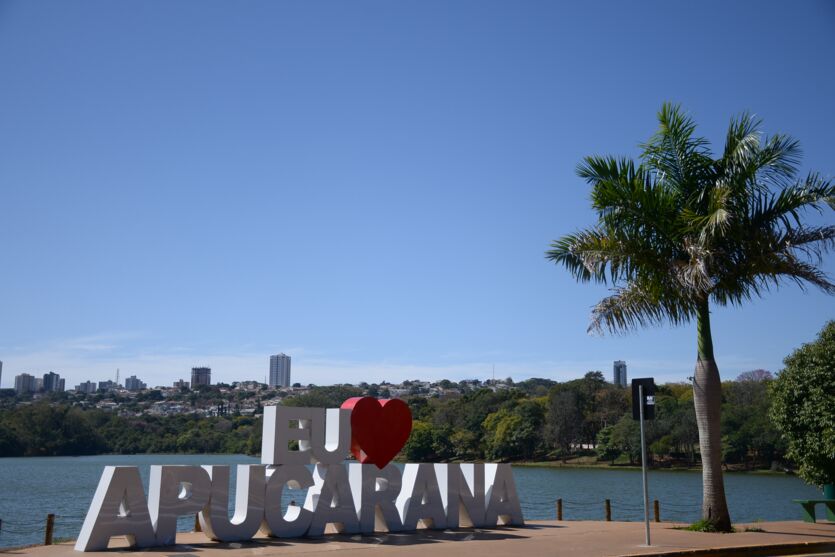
(379, 428)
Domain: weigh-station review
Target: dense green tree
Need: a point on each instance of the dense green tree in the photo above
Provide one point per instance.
(514, 432)
(804, 407)
(10, 444)
(748, 434)
(680, 230)
(535, 386)
(420, 408)
(465, 445)
(675, 417)
(605, 449)
(661, 446)
(469, 411)
(611, 402)
(419, 447)
(626, 438)
(44, 429)
(564, 419)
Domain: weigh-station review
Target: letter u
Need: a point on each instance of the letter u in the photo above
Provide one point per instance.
(249, 503)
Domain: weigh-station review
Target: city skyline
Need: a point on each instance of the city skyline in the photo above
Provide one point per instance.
(373, 191)
(244, 368)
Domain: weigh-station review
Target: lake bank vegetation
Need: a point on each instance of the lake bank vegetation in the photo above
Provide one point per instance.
(584, 422)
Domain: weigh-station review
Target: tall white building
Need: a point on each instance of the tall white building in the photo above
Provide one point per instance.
(108, 385)
(619, 373)
(52, 383)
(1, 373)
(279, 370)
(25, 383)
(132, 383)
(88, 387)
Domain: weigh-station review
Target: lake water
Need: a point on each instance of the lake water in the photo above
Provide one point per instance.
(30, 488)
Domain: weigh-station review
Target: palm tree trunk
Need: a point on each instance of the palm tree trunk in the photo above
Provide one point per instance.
(707, 399)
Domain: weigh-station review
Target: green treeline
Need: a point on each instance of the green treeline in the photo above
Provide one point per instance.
(534, 420)
(542, 420)
(44, 429)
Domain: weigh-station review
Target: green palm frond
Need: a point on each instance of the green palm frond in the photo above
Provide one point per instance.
(785, 207)
(568, 252)
(813, 241)
(679, 228)
(628, 198)
(679, 157)
(778, 160)
(639, 304)
(787, 267)
(599, 256)
(742, 139)
(756, 163)
(768, 258)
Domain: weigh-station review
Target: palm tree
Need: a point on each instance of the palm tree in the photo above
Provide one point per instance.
(679, 230)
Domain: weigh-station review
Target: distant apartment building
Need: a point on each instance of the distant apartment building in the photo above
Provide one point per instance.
(25, 383)
(1, 373)
(108, 385)
(52, 383)
(201, 376)
(279, 370)
(134, 384)
(181, 384)
(88, 387)
(619, 372)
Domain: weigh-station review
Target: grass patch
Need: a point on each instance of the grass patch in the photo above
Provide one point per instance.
(706, 525)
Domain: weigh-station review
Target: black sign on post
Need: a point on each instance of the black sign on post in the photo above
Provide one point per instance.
(649, 398)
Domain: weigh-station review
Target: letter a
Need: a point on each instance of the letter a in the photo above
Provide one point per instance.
(119, 508)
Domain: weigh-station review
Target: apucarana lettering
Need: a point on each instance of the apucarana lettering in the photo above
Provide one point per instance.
(362, 497)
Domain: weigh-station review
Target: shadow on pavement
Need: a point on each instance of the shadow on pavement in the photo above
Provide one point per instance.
(380, 538)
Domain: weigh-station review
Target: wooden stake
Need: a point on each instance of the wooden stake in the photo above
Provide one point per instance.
(50, 526)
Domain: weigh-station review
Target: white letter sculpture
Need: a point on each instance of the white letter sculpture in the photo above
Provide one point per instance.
(371, 497)
(249, 504)
(331, 501)
(462, 491)
(277, 433)
(420, 498)
(119, 508)
(375, 493)
(502, 501)
(176, 491)
(295, 522)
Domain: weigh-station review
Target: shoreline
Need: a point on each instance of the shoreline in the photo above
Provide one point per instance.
(637, 467)
(522, 463)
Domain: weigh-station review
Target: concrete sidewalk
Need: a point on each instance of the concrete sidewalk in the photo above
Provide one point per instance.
(568, 538)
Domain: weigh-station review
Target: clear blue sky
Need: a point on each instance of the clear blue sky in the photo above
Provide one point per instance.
(369, 187)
